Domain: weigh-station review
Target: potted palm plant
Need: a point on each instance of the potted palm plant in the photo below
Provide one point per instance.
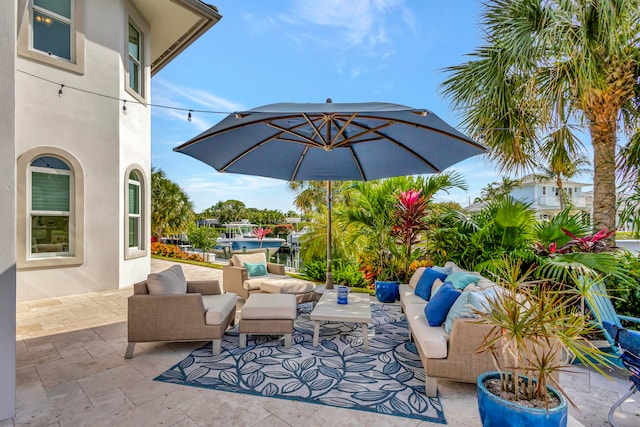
(538, 328)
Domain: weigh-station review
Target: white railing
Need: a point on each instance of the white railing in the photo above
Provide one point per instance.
(554, 201)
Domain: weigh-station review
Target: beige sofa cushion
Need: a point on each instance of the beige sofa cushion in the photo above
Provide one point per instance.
(416, 277)
(269, 307)
(408, 296)
(287, 286)
(218, 307)
(254, 283)
(431, 339)
(238, 260)
(168, 282)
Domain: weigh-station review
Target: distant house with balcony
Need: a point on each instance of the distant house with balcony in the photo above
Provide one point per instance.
(544, 195)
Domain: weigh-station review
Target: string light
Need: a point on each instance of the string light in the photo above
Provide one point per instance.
(191, 111)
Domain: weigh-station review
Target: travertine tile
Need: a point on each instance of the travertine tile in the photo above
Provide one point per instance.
(109, 379)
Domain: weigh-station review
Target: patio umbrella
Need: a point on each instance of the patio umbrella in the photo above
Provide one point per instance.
(331, 142)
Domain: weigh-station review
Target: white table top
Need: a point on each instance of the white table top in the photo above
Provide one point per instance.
(357, 310)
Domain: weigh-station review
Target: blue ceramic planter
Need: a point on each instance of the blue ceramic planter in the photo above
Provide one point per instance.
(387, 291)
(497, 412)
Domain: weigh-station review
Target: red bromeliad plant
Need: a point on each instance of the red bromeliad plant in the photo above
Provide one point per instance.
(595, 243)
(261, 233)
(410, 213)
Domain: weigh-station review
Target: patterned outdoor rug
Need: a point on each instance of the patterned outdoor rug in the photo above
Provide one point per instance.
(387, 379)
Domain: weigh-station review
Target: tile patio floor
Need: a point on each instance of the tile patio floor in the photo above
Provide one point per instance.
(71, 372)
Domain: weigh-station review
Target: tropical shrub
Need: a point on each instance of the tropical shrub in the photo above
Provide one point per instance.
(342, 273)
(173, 251)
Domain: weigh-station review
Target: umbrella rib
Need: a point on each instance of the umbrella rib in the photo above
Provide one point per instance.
(367, 131)
(341, 129)
(246, 152)
(295, 171)
(355, 158)
(315, 128)
(289, 131)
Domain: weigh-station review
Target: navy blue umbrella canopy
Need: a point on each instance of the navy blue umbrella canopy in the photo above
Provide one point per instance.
(332, 142)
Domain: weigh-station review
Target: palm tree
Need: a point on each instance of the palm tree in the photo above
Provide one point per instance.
(497, 189)
(546, 64)
(312, 195)
(561, 150)
(171, 209)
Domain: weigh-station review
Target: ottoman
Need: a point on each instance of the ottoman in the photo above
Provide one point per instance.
(268, 314)
(303, 290)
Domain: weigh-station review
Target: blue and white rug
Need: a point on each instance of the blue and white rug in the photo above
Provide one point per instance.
(387, 379)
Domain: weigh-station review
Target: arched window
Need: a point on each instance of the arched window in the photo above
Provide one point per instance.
(50, 198)
(135, 229)
(51, 210)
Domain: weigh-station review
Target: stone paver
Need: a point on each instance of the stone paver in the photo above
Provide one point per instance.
(71, 372)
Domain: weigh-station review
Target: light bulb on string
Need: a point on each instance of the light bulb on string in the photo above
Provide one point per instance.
(124, 106)
(60, 90)
(189, 116)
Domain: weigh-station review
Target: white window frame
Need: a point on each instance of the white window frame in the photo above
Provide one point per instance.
(32, 213)
(137, 21)
(138, 61)
(77, 43)
(143, 233)
(75, 256)
(70, 21)
(136, 216)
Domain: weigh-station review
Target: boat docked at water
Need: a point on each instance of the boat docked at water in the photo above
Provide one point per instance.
(240, 237)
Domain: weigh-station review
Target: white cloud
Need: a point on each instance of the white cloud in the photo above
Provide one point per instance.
(354, 23)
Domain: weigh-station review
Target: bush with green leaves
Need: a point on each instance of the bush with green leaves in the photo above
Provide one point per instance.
(342, 272)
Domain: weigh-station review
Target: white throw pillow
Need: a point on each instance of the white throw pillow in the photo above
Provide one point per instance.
(416, 277)
(238, 260)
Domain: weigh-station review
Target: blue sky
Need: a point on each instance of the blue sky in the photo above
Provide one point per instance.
(306, 51)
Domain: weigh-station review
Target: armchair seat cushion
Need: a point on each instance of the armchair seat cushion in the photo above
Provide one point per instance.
(287, 285)
(431, 339)
(218, 307)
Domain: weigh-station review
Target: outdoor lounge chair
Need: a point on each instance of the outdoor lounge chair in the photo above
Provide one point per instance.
(629, 343)
(166, 307)
(600, 305)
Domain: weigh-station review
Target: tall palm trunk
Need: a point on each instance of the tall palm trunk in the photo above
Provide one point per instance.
(603, 137)
(560, 190)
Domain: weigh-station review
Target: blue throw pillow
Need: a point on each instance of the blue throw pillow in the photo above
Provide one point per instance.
(259, 269)
(423, 288)
(438, 308)
(461, 279)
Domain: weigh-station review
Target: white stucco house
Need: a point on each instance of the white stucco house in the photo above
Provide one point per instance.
(75, 149)
(544, 195)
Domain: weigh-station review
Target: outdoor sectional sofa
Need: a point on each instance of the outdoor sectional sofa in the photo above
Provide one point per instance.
(450, 356)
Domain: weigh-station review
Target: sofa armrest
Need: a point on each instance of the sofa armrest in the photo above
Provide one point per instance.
(466, 336)
(204, 287)
(164, 317)
(233, 278)
(275, 268)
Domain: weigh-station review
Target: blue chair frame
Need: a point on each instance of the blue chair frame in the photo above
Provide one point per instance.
(600, 305)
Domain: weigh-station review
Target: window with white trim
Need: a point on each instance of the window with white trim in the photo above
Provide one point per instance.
(51, 213)
(52, 28)
(544, 191)
(136, 67)
(135, 202)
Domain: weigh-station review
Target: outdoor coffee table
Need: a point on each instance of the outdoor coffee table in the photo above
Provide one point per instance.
(358, 310)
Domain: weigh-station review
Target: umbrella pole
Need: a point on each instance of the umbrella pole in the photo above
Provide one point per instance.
(329, 283)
